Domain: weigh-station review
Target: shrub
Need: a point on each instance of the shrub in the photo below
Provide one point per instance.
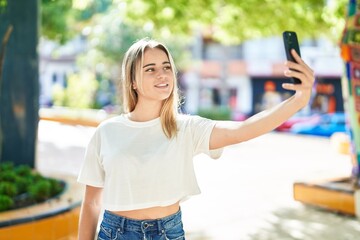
(56, 187)
(6, 202)
(8, 176)
(23, 183)
(216, 113)
(20, 186)
(23, 170)
(9, 189)
(40, 191)
(6, 166)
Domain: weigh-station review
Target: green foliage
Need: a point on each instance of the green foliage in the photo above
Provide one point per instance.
(44, 189)
(8, 188)
(79, 93)
(233, 21)
(5, 202)
(41, 190)
(56, 187)
(6, 166)
(61, 20)
(22, 183)
(109, 37)
(86, 9)
(8, 175)
(55, 19)
(3, 5)
(216, 113)
(23, 170)
(21, 186)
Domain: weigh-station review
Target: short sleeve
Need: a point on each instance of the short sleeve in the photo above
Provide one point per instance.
(201, 131)
(92, 172)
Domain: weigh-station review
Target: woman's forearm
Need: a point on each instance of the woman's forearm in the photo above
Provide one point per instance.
(268, 120)
(89, 215)
(88, 221)
(230, 132)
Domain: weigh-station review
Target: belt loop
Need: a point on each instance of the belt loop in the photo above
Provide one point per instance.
(160, 227)
(122, 225)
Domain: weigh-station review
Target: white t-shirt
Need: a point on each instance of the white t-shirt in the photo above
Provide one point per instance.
(139, 167)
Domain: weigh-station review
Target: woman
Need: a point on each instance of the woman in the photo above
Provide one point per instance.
(138, 166)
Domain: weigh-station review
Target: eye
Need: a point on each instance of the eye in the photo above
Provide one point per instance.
(167, 68)
(149, 70)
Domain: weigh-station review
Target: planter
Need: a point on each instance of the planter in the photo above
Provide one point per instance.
(54, 219)
(84, 117)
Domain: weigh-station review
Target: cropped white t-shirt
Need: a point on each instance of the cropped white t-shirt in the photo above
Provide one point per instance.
(139, 167)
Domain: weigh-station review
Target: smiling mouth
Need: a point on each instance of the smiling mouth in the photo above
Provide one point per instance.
(162, 85)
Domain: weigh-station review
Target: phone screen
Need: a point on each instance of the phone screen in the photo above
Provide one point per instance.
(291, 42)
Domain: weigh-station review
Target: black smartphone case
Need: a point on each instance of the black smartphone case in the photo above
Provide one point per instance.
(291, 42)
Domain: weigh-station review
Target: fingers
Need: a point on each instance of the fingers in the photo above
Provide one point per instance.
(298, 60)
(307, 78)
(299, 69)
(289, 86)
(296, 56)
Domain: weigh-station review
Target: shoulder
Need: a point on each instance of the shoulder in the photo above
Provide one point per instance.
(185, 118)
(114, 119)
(193, 120)
(110, 122)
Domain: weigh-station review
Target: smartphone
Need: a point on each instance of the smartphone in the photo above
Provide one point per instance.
(291, 42)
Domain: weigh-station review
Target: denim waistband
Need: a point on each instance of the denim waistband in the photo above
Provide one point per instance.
(128, 224)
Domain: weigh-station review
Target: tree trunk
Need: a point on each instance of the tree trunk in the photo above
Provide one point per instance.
(2, 57)
(19, 102)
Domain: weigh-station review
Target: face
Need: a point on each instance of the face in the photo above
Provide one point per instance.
(157, 76)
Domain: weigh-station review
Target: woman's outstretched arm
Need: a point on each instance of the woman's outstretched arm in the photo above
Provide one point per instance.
(229, 132)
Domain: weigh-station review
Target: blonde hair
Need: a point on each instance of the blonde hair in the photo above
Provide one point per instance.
(131, 73)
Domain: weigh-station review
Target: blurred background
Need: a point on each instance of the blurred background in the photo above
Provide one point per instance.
(230, 55)
(61, 61)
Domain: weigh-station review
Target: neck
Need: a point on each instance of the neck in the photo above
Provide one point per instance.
(146, 112)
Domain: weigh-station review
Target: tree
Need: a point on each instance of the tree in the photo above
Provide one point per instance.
(232, 21)
(108, 37)
(62, 20)
(19, 92)
(19, 96)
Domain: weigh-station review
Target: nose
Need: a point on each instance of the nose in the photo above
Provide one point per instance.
(161, 74)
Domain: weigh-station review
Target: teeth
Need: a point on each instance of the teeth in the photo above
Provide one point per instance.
(162, 85)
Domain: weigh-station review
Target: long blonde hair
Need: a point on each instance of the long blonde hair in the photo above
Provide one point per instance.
(130, 74)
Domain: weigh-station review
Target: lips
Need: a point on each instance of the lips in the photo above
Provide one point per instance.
(162, 85)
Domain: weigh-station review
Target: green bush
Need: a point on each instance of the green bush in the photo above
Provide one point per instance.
(40, 191)
(20, 186)
(6, 202)
(8, 188)
(8, 176)
(56, 187)
(6, 166)
(23, 183)
(216, 113)
(23, 170)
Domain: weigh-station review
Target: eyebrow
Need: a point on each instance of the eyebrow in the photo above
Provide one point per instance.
(153, 64)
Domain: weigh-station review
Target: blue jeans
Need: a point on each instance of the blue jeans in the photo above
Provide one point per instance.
(114, 227)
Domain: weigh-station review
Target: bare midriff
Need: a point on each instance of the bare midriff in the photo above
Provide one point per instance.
(149, 213)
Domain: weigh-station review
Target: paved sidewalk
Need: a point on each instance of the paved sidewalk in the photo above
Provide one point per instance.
(246, 194)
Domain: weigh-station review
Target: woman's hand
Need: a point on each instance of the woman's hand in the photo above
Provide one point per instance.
(306, 75)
